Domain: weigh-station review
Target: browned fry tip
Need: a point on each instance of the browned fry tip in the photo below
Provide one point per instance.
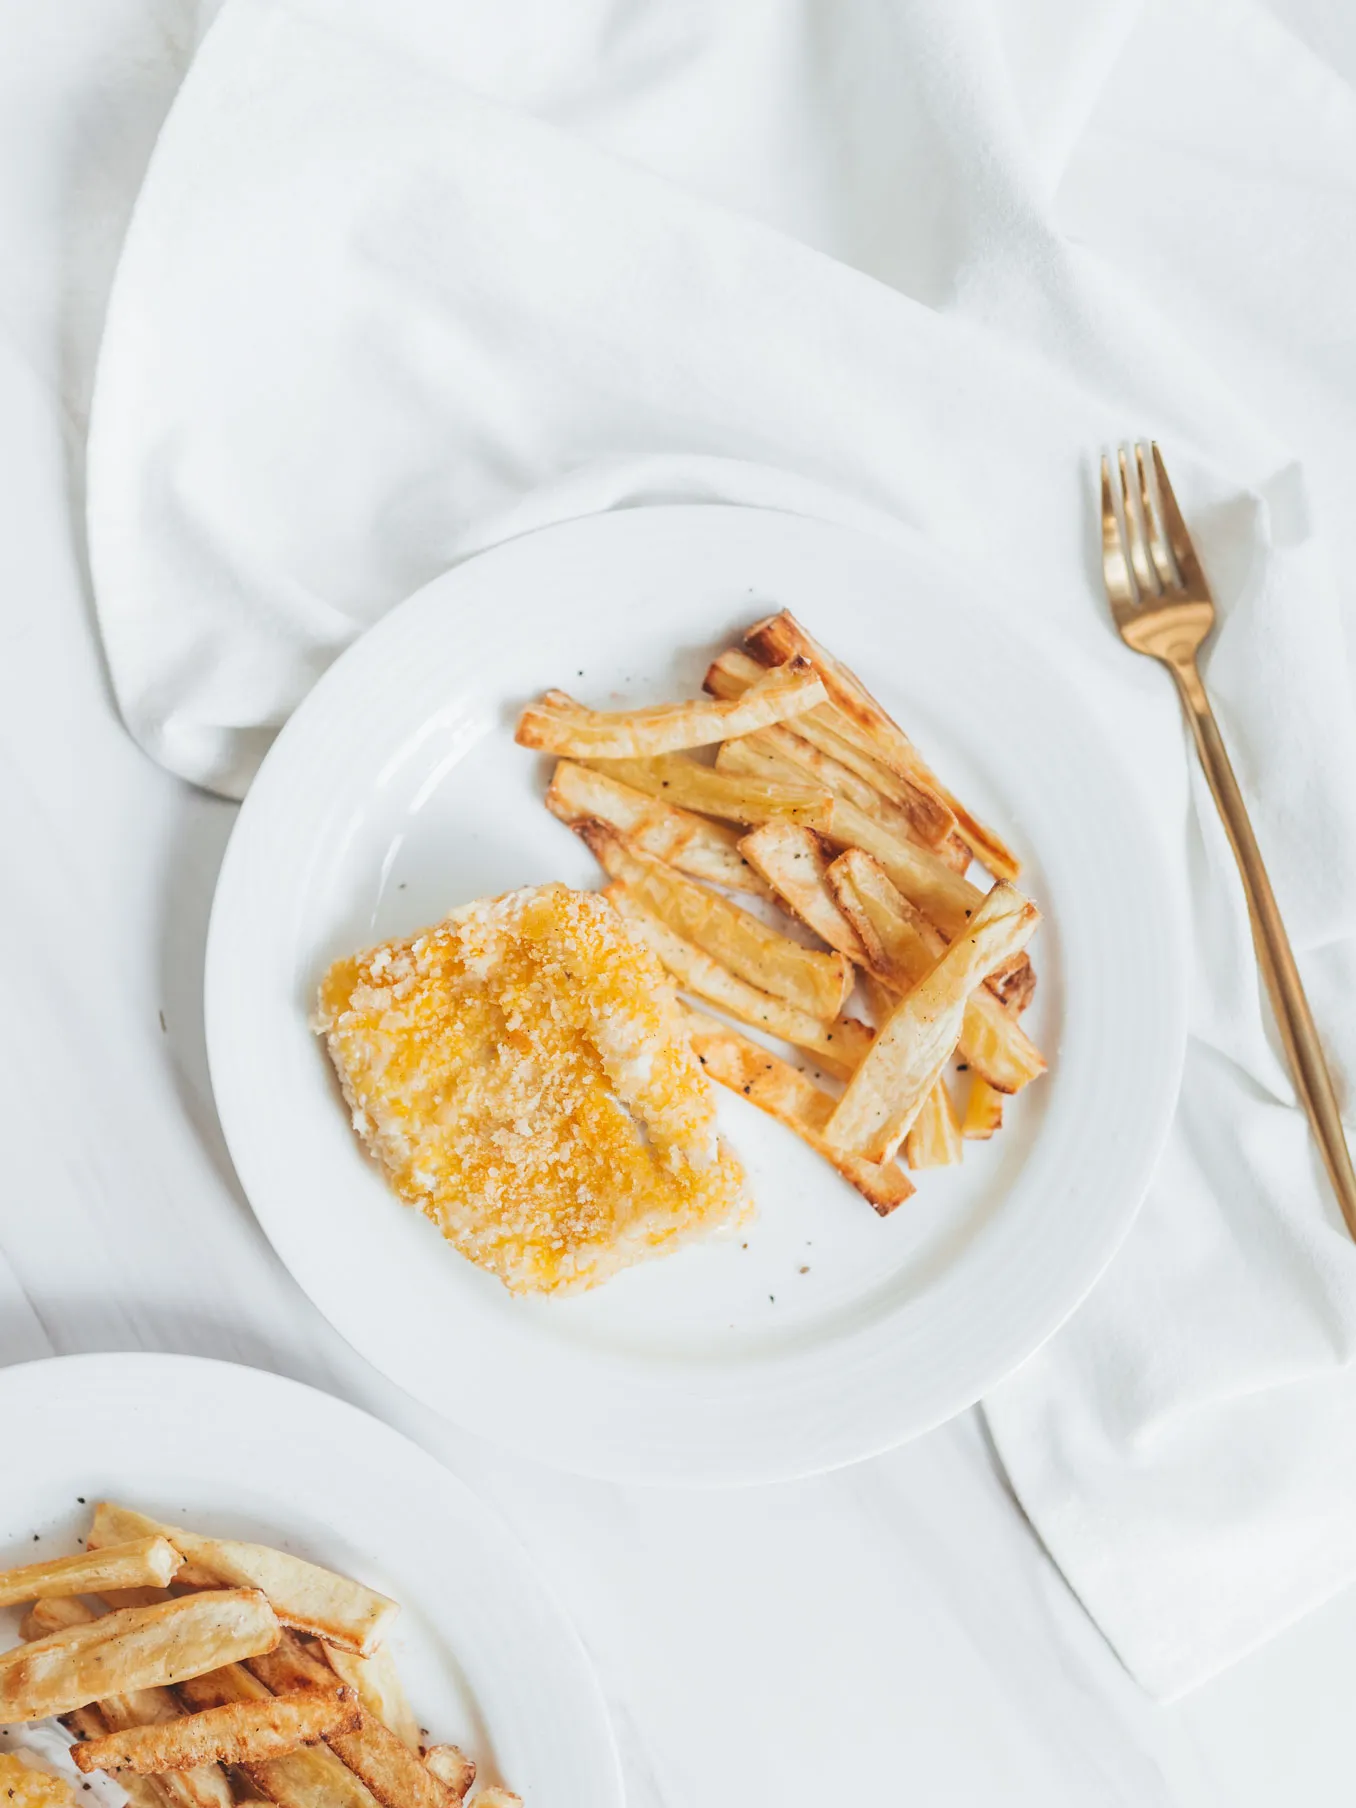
(450, 1764)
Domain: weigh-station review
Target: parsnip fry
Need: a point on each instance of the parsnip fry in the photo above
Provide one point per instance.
(394, 1774)
(560, 725)
(818, 984)
(880, 999)
(310, 1777)
(675, 779)
(983, 1111)
(232, 1682)
(694, 844)
(827, 729)
(85, 1723)
(817, 765)
(793, 861)
(239, 1732)
(927, 881)
(901, 945)
(52, 1615)
(1014, 984)
(907, 1058)
(838, 1047)
(899, 941)
(138, 1648)
(114, 1598)
(450, 1764)
(781, 638)
(945, 896)
(141, 1562)
(377, 1683)
(202, 1786)
(311, 1599)
(391, 1771)
(934, 1141)
(495, 1797)
(996, 1046)
(291, 1666)
(787, 1095)
(843, 784)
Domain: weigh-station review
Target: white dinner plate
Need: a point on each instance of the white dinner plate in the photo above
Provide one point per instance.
(489, 1661)
(825, 1333)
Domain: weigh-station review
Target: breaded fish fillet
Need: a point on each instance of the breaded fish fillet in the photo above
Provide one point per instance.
(522, 1073)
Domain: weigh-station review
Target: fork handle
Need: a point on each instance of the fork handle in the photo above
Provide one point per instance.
(1294, 1019)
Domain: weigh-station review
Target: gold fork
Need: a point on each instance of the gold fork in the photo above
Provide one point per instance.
(1163, 607)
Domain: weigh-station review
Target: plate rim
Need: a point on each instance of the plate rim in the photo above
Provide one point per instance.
(1133, 1178)
(168, 1380)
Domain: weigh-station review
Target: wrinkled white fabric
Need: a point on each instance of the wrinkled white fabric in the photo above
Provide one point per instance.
(408, 280)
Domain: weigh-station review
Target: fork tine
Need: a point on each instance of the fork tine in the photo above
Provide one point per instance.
(1158, 546)
(1178, 537)
(1136, 532)
(1120, 586)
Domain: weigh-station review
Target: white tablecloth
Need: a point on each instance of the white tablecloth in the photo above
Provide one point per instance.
(395, 292)
(946, 1660)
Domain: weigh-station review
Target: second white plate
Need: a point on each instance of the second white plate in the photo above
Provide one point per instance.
(825, 1334)
(489, 1661)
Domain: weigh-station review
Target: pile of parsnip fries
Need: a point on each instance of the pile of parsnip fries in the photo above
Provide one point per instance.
(818, 803)
(204, 1671)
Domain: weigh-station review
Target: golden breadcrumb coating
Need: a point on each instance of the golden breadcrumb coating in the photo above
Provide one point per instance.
(522, 1073)
(21, 1787)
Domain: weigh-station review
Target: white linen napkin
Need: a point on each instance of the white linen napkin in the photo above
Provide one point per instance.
(407, 281)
